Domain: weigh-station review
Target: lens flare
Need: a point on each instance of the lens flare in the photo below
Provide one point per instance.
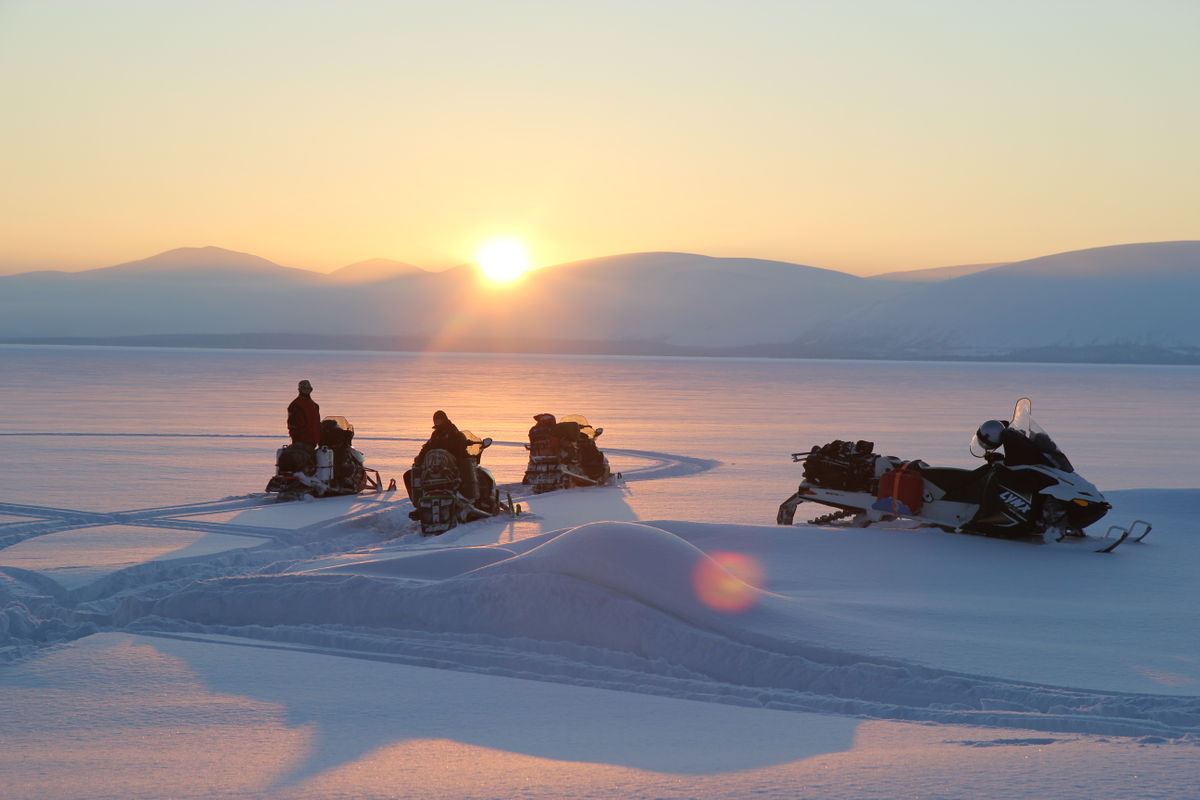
(728, 582)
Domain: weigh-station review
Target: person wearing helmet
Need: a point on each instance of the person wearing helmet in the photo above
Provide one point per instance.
(304, 418)
(446, 436)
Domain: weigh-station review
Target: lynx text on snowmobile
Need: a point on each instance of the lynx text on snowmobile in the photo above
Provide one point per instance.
(1031, 492)
(333, 469)
(433, 486)
(563, 453)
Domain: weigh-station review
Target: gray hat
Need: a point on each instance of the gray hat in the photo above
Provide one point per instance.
(304, 384)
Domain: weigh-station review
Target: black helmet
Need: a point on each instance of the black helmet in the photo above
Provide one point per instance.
(991, 434)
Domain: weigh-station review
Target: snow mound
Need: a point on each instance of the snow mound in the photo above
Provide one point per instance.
(434, 565)
(606, 583)
(644, 563)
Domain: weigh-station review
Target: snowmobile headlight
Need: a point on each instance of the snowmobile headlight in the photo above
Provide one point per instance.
(1081, 502)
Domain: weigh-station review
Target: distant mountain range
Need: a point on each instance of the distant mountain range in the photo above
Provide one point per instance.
(1122, 304)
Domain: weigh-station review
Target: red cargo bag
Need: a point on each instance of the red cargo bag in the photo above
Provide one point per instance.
(901, 490)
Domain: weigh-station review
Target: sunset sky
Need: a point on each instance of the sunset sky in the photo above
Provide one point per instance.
(860, 136)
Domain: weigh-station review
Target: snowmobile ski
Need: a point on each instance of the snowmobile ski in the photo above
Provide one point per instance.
(581, 478)
(513, 509)
(1136, 532)
(1122, 535)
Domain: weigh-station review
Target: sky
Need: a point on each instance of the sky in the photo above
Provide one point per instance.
(865, 137)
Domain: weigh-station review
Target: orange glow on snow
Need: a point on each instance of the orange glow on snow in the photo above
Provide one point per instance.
(728, 582)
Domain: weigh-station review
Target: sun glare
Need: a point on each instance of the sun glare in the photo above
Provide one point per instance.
(503, 260)
(728, 582)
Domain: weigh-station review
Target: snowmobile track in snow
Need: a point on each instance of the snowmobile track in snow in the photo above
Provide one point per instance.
(46, 520)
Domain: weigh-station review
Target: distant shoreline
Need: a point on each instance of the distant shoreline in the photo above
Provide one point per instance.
(1131, 354)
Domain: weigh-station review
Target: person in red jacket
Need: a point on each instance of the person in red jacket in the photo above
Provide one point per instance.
(304, 418)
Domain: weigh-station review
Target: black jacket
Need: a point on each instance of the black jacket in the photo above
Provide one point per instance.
(446, 437)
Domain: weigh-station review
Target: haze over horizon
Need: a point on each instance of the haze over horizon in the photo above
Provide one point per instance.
(867, 138)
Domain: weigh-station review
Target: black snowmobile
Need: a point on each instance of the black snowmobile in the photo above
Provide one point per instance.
(1029, 492)
(563, 453)
(434, 487)
(333, 469)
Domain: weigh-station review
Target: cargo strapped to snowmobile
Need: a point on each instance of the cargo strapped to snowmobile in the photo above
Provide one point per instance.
(439, 472)
(840, 465)
(901, 490)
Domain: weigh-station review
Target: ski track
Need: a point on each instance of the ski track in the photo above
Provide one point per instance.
(49, 520)
(205, 599)
(664, 466)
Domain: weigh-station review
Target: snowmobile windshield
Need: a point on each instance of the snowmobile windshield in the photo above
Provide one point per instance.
(1023, 421)
(341, 422)
(585, 427)
(474, 444)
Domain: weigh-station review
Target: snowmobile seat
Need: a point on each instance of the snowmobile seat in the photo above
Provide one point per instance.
(568, 437)
(960, 485)
(567, 430)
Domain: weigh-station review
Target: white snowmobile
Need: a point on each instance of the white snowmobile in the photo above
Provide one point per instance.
(434, 487)
(333, 469)
(1031, 491)
(563, 453)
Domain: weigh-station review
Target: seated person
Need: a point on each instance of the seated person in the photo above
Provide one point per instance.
(446, 436)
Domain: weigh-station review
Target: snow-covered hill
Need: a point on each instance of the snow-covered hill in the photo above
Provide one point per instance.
(375, 269)
(1138, 297)
(683, 299)
(199, 263)
(935, 274)
(1120, 303)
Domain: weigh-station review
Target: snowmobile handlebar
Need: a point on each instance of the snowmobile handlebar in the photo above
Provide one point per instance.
(800, 456)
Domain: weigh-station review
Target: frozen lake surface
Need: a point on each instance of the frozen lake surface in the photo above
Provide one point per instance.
(1123, 426)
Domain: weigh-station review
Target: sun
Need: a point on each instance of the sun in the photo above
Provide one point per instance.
(503, 259)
